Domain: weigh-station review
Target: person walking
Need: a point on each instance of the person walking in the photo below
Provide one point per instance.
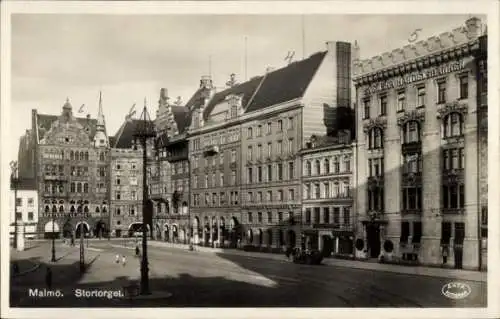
(445, 255)
(117, 259)
(124, 260)
(48, 278)
(137, 251)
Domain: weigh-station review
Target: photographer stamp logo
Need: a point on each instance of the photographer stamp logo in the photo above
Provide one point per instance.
(456, 290)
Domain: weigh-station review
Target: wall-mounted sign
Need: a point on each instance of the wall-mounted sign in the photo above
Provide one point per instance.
(416, 76)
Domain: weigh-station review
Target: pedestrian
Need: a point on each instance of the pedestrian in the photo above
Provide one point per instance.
(72, 241)
(48, 278)
(15, 268)
(117, 259)
(445, 255)
(124, 260)
(137, 251)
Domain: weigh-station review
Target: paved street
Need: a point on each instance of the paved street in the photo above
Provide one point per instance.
(217, 279)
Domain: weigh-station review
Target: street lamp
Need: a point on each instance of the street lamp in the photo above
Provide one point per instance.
(53, 238)
(82, 249)
(190, 230)
(144, 130)
(14, 179)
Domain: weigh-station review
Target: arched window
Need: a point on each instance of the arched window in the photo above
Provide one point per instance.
(79, 209)
(86, 209)
(308, 168)
(104, 210)
(97, 210)
(73, 187)
(82, 156)
(71, 155)
(327, 166)
(86, 156)
(72, 209)
(453, 125)
(101, 156)
(85, 187)
(79, 187)
(47, 209)
(375, 138)
(62, 154)
(318, 167)
(411, 132)
(61, 209)
(54, 209)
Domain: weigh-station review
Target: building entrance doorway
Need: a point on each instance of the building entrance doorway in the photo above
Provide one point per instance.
(373, 238)
(458, 257)
(327, 245)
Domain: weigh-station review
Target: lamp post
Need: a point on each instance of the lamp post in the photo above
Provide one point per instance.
(144, 130)
(82, 249)
(53, 259)
(14, 180)
(190, 230)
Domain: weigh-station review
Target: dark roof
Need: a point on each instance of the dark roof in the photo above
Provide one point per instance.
(287, 83)
(45, 121)
(25, 184)
(181, 117)
(125, 135)
(247, 89)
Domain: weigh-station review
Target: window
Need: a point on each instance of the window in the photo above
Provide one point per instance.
(412, 198)
(316, 215)
(280, 172)
(234, 111)
(290, 171)
(347, 189)
(79, 187)
(233, 177)
(290, 145)
(269, 173)
(376, 199)
(280, 195)
(259, 174)
(445, 233)
(214, 199)
(347, 163)
(383, 105)
(290, 123)
(250, 175)
(269, 217)
(269, 196)
(336, 215)
(375, 138)
(453, 196)
(366, 108)
(327, 166)
(421, 96)
(291, 194)
(417, 232)
(206, 182)
(259, 197)
(336, 165)
(117, 181)
(316, 191)
(459, 233)
(326, 215)
(453, 158)
(19, 201)
(280, 125)
(279, 148)
(269, 149)
(222, 198)
(405, 232)
(308, 215)
(72, 188)
(259, 130)
(411, 133)
(441, 88)
(269, 128)
(118, 195)
(213, 180)
(307, 191)
(249, 132)
(347, 216)
(308, 168)
(412, 163)
(259, 151)
(453, 125)
(317, 168)
(249, 153)
(464, 87)
(326, 187)
(250, 217)
(31, 216)
(250, 197)
(85, 188)
(280, 217)
(259, 217)
(233, 156)
(401, 101)
(30, 202)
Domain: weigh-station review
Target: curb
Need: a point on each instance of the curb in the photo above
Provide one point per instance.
(32, 269)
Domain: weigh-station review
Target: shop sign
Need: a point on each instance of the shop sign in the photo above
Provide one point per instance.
(416, 76)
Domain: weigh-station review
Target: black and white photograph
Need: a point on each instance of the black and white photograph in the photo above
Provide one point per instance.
(265, 156)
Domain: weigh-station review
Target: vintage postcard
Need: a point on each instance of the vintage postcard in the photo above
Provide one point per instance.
(276, 159)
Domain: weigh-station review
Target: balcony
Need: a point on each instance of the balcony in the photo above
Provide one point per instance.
(453, 176)
(411, 147)
(452, 211)
(55, 177)
(375, 182)
(211, 150)
(412, 178)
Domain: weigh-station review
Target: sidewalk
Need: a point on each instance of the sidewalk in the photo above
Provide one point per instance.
(457, 274)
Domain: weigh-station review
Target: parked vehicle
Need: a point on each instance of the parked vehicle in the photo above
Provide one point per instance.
(309, 257)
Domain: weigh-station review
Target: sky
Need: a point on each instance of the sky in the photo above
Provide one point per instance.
(131, 57)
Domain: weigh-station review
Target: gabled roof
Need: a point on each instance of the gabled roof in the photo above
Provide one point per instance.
(125, 135)
(287, 83)
(45, 122)
(247, 89)
(181, 117)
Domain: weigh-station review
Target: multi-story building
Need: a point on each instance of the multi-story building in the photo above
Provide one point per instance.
(171, 213)
(24, 195)
(327, 197)
(418, 149)
(125, 180)
(70, 152)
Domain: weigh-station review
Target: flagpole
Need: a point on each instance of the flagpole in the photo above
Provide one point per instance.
(246, 59)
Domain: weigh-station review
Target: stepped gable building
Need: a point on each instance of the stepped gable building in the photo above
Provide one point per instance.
(327, 173)
(69, 153)
(125, 179)
(171, 196)
(418, 177)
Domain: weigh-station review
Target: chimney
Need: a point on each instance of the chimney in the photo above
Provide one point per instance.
(206, 82)
(473, 26)
(163, 93)
(355, 51)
